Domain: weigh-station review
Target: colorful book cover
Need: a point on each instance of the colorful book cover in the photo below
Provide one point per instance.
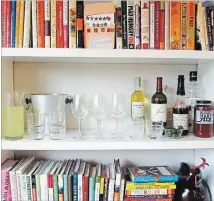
(184, 24)
(147, 174)
(162, 25)
(13, 23)
(131, 24)
(145, 24)
(124, 25)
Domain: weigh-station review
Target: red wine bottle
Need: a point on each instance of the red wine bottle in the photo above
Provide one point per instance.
(159, 104)
(180, 109)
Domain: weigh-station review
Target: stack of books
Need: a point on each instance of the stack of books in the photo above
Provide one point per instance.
(151, 184)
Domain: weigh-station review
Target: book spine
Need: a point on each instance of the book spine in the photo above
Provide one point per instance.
(21, 23)
(8, 23)
(59, 24)
(85, 188)
(145, 24)
(38, 188)
(19, 185)
(184, 25)
(131, 24)
(23, 187)
(13, 185)
(47, 24)
(3, 23)
(50, 188)
(213, 26)
(5, 188)
(122, 189)
(175, 25)
(152, 24)
(26, 37)
(44, 187)
(137, 22)
(75, 187)
(79, 27)
(55, 187)
(18, 6)
(149, 199)
(91, 189)
(197, 30)
(53, 23)
(124, 25)
(119, 27)
(31, 28)
(140, 186)
(33, 178)
(70, 189)
(157, 25)
(97, 189)
(41, 24)
(191, 26)
(60, 188)
(65, 183)
(105, 196)
(209, 27)
(162, 25)
(13, 23)
(29, 188)
(102, 189)
(205, 29)
(167, 25)
(34, 23)
(111, 190)
(72, 24)
(117, 187)
(80, 188)
(65, 23)
(201, 24)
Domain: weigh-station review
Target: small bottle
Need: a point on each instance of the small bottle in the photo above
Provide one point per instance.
(159, 104)
(170, 103)
(194, 93)
(180, 110)
(137, 101)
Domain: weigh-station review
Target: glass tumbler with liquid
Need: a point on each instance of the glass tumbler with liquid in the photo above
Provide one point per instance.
(13, 116)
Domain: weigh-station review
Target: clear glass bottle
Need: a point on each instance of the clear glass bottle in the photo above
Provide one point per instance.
(194, 93)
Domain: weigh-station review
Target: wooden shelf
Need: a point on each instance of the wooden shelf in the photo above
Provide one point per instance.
(189, 142)
(108, 56)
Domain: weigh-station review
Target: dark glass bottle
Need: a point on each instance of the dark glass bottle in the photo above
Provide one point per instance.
(159, 104)
(180, 110)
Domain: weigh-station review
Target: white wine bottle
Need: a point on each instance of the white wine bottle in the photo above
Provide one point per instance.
(137, 101)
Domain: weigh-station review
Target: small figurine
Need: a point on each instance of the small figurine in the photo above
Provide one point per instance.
(191, 186)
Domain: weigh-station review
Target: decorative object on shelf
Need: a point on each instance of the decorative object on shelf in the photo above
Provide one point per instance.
(191, 186)
(154, 130)
(173, 133)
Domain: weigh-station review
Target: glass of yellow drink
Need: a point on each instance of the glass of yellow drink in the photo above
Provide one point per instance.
(13, 116)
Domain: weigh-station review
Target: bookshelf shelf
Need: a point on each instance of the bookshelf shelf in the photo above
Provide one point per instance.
(108, 56)
(68, 143)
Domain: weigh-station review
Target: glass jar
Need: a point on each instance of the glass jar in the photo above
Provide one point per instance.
(203, 119)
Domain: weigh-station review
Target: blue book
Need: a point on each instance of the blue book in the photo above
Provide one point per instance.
(148, 174)
(92, 184)
(13, 23)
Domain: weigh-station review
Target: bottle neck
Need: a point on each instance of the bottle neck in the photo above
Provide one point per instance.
(159, 85)
(181, 89)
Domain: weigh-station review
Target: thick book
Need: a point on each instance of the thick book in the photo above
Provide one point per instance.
(152, 174)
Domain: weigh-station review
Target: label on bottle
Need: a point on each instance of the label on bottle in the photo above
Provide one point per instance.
(180, 120)
(204, 117)
(137, 110)
(158, 112)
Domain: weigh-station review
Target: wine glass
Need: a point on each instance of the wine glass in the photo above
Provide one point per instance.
(80, 111)
(118, 112)
(99, 110)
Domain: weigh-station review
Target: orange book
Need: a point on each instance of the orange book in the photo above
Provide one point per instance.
(191, 26)
(175, 25)
(21, 23)
(41, 23)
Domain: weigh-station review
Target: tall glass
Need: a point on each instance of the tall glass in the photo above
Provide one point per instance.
(13, 116)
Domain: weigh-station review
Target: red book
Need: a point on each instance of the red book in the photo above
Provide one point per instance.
(59, 24)
(85, 188)
(41, 23)
(162, 25)
(157, 25)
(3, 24)
(8, 24)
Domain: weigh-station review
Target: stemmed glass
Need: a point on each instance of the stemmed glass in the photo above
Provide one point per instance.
(118, 112)
(99, 110)
(80, 111)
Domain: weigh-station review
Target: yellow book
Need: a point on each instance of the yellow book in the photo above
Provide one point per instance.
(202, 26)
(21, 23)
(153, 185)
(17, 23)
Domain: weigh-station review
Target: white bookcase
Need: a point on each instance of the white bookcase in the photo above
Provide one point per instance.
(107, 71)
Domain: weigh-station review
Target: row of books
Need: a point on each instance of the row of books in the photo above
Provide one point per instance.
(131, 24)
(30, 179)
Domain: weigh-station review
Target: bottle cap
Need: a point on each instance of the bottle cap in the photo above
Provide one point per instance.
(138, 82)
(181, 77)
(193, 76)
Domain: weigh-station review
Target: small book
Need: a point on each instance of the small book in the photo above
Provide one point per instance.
(152, 174)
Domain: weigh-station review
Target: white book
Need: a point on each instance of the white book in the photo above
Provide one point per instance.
(111, 183)
(145, 24)
(72, 24)
(80, 186)
(118, 175)
(122, 185)
(167, 24)
(34, 23)
(53, 23)
(47, 24)
(27, 24)
(152, 25)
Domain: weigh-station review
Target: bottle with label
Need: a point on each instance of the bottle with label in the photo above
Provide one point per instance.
(170, 103)
(194, 93)
(159, 104)
(137, 101)
(180, 110)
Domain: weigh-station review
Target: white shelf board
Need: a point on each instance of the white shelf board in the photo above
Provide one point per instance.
(188, 142)
(107, 56)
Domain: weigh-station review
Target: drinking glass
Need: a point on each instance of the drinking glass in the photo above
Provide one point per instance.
(118, 112)
(36, 125)
(80, 111)
(154, 130)
(99, 109)
(57, 125)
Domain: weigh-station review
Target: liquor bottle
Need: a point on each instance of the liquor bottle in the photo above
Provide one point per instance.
(159, 104)
(137, 101)
(194, 93)
(180, 110)
(170, 103)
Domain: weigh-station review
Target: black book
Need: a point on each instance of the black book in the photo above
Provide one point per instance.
(209, 27)
(124, 25)
(80, 26)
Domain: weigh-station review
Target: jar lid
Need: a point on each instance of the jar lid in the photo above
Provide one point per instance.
(203, 102)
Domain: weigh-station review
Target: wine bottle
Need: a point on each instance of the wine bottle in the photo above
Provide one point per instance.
(180, 110)
(159, 104)
(137, 101)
